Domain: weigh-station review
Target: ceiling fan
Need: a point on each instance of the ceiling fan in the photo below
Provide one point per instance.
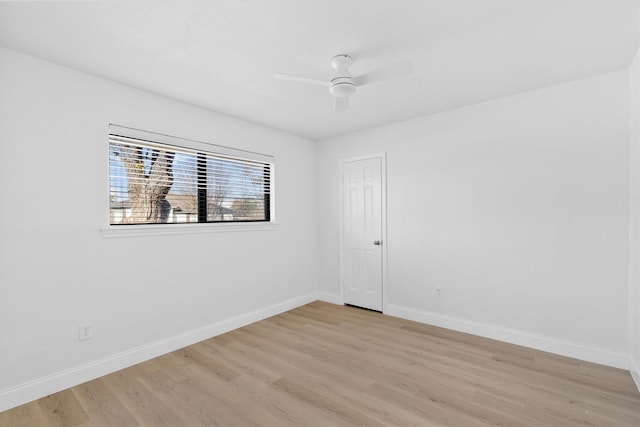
(343, 84)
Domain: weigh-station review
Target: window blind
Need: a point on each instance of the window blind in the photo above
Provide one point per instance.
(159, 183)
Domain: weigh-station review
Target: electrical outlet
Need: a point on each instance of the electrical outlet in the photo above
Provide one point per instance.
(86, 331)
(439, 293)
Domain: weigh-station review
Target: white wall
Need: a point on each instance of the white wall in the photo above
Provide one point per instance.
(634, 221)
(517, 207)
(56, 268)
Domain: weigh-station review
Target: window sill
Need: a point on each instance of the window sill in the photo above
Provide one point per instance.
(170, 229)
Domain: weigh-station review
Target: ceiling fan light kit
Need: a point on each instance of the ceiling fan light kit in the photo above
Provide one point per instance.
(343, 84)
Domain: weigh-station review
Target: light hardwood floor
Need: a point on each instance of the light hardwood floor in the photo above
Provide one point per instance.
(328, 365)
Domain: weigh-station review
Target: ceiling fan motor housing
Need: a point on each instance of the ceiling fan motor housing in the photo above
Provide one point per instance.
(341, 84)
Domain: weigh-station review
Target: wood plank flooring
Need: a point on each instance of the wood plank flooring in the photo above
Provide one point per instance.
(328, 365)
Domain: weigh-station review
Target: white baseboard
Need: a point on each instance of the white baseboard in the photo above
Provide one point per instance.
(634, 368)
(330, 298)
(558, 346)
(18, 395)
(24, 393)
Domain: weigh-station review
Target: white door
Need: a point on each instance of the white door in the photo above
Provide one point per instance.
(362, 228)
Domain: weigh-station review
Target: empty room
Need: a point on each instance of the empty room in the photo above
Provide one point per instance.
(321, 213)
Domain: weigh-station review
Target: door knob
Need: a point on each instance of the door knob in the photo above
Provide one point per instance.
(377, 242)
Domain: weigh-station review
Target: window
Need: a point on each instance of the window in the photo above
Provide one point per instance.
(155, 182)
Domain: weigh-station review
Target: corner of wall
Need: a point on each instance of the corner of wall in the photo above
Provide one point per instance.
(634, 220)
(330, 298)
(635, 372)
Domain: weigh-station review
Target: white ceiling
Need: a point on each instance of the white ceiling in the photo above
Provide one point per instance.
(222, 54)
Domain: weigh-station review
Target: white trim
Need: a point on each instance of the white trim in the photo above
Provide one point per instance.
(23, 393)
(616, 359)
(635, 372)
(383, 199)
(330, 298)
(383, 195)
(193, 228)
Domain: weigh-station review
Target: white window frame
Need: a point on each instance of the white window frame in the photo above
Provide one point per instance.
(109, 230)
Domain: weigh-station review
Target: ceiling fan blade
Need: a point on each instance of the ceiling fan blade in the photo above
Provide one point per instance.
(342, 103)
(300, 79)
(387, 72)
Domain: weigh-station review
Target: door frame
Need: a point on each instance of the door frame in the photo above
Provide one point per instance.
(383, 202)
